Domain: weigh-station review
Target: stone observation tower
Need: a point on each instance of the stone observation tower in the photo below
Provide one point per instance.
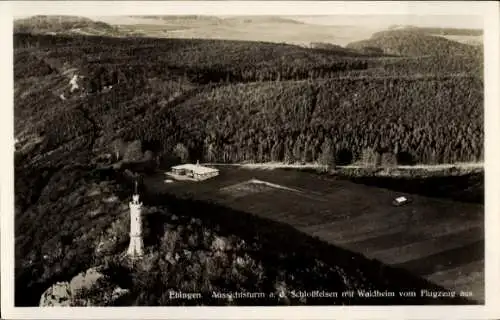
(135, 248)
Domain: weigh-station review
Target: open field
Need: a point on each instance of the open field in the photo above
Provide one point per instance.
(439, 240)
(426, 167)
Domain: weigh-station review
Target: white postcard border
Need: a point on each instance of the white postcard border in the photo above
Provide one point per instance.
(490, 12)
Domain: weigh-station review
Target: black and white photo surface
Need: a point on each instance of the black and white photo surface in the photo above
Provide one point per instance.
(232, 159)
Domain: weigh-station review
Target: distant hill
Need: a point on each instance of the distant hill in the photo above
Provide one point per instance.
(63, 25)
(440, 31)
(412, 42)
(251, 28)
(189, 19)
(220, 20)
(472, 37)
(262, 19)
(205, 18)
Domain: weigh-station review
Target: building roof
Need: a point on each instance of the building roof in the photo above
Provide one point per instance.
(195, 168)
(401, 199)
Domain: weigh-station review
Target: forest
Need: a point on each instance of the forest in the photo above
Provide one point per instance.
(292, 121)
(295, 121)
(262, 102)
(213, 101)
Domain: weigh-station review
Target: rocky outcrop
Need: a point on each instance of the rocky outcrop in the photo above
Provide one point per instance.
(85, 280)
(80, 291)
(59, 295)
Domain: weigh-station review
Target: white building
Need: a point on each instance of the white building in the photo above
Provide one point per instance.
(74, 83)
(399, 201)
(195, 171)
(136, 246)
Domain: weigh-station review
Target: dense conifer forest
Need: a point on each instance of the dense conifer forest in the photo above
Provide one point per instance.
(259, 102)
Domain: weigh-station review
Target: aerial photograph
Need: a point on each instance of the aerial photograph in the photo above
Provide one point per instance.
(269, 160)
